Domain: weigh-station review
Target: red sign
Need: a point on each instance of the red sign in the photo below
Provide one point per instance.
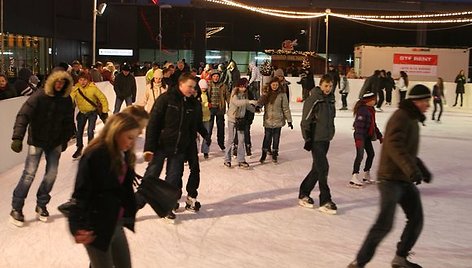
(156, 2)
(415, 59)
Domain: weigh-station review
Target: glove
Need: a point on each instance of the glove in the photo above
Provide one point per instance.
(208, 140)
(253, 102)
(359, 143)
(427, 176)
(290, 125)
(340, 92)
(417, 177)
(308, 146)
(17, 146)
(64, 147)
(381, 140)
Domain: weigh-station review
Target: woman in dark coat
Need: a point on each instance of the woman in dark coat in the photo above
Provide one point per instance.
(104, 194)
(460, 89)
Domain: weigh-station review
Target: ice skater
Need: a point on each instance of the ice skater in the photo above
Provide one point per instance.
(318, 130)
(438, 98)
(48, 115)
(399, 170)
(104, 193)
(365, 131)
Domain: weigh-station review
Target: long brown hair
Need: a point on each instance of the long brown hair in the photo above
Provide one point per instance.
(115, 125)
(270, 95)
(405, 77)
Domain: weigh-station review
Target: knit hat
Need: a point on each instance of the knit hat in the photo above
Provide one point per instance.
(158, 73)
(203, 83)
(419, 92)
(279, 72)
(125, 67)
(214, 71)
(368, 95)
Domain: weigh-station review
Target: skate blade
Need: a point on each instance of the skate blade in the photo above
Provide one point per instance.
(355, 186)
(42, 218)
(16, 222)
(305, 205)
(327, 211)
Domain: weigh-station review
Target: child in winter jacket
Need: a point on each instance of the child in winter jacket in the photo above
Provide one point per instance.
(365, 131)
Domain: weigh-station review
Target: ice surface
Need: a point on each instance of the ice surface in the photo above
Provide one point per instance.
(250, 218)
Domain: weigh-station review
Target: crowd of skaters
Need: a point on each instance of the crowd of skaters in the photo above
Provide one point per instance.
(181, 105)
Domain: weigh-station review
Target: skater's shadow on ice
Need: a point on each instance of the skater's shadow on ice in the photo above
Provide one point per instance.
(51, 219)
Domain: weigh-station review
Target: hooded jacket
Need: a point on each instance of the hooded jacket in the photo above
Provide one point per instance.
(47, 114)
(398, 159)
(125, 86)
(277, 112)
(317, 122)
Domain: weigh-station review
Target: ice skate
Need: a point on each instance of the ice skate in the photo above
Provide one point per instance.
(243, 165)
(367, 179)
(227, 164)
(170, 218)
(66, 207)
(329, 208)
(17, 218)
(77, 153)
(355, 182)
(275, 155)
(402, 262)
(263, 157)
(354, 265)
(306, 202)
(42, 213)
(191, 204)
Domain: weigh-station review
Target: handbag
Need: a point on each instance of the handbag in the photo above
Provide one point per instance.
(98, 106)
(159, 194)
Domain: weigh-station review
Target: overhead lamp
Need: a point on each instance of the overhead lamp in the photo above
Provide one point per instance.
(101, 9)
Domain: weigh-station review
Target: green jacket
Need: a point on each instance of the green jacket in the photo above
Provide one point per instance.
(318, 117)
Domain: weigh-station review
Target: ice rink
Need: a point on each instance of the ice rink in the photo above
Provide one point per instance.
(250, 218)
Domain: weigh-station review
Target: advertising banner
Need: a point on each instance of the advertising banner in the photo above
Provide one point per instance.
(415, 64)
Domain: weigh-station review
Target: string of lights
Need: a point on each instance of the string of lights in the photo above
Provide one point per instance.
(451, 17)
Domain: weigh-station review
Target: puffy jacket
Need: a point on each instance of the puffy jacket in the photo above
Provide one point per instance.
(460, 82)
(125, 86)
(205, 110)
(317, 122)
(276, 113)
(92, 92)
(238, 106)
(100, 196)
(398, 159)
(47, 114)
(222, 92)
(365, 125)
(172, 124)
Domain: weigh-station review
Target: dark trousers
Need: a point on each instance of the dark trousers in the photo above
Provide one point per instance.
(388, 95)
(318, 173)
(271, 137)
(220, 125)
(194, 177)
(369, 149)
(392, 193)
(82, 119)
(117, 255)
(255, 88)
(381, 98)
(457, 96)
(436, 104)
(402, 95)
(344, 99)
(174, 171)
(247, 136)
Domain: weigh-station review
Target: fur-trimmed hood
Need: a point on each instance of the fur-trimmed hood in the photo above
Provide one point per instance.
(55, 76)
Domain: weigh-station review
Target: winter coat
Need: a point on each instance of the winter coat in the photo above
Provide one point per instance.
(222, 92)
(125, 86)
(398, 159)
(401, 85)
(172, 124)
(205, 110)
(151, 95)
(318, 115)
(92, 92)
(460, 82)
(22, 85)
(238, 106)
(371, 84)
(256, 75)
(438, 93)
(276, 113)
(334, 77)
(100, 197)
(344, 85)
(365, 126)
(389, 83)
(307, 81)
(47, 114)
(7, 93)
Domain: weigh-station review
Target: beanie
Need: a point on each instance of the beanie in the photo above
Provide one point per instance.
(419, 92)
(214, 71)
(203, 83)
(279, 72)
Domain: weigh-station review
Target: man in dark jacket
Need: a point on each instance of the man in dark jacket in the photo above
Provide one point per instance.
(125, 87)
(49, 117)
(334, 74)
(371, 84)
(170, 133)
(399, 170)
(318, 130)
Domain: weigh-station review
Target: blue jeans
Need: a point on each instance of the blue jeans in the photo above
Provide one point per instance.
(232, 132)
(205, 148)
(82, 119)
(31, 166)
(271, 137)
(408, 197)
(220, 125)
(119, 102)
(318, 173)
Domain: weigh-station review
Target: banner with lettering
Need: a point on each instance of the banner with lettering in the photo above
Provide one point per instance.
(415, 64)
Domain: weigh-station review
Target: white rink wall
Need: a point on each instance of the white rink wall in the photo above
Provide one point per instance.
(9, 109)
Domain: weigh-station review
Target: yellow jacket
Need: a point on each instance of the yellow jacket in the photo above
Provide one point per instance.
(205, 110)
(93, 93)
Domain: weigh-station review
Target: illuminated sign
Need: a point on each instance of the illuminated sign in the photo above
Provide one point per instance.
(115, 52)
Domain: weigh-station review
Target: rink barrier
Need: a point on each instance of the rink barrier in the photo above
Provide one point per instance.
(9, 108)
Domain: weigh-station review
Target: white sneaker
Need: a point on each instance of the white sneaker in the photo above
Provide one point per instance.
(367, 179)
(355, 182)
(306, 202)
(192, 204)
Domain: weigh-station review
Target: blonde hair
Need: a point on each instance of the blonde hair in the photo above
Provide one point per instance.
(138, 112)
(115, 125)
